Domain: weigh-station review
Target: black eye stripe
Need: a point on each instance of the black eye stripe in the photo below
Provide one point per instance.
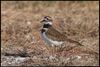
(47, 19)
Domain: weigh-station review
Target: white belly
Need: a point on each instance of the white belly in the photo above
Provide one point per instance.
(49, 41)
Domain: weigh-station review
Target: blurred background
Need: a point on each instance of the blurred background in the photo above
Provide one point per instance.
(20, 30)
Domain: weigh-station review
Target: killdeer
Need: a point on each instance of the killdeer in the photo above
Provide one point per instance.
(53, 37)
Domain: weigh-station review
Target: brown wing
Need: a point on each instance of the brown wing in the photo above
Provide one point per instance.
(58, 36)
(55, 34)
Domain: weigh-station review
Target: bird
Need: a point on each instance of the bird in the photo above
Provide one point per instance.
(53, 37)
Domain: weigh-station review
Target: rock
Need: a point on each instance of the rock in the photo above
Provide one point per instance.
(12, 61)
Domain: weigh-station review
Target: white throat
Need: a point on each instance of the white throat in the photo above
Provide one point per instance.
(50, 23)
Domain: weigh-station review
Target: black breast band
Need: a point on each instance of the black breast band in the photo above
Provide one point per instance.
(42, 30)
(46, 25)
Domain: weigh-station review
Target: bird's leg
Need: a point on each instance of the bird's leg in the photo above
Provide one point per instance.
(52, 49)
(49, 49)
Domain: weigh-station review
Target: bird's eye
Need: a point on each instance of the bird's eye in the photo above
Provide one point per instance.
(47, 17)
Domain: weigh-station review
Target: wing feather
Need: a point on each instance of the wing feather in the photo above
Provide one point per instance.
(55, 34)
(58, 36)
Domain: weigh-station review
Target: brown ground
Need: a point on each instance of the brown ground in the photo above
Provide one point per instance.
(21, 44)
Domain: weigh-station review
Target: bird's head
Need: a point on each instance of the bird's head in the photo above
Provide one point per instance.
(47, 20)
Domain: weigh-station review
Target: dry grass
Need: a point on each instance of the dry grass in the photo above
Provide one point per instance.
(20, 23)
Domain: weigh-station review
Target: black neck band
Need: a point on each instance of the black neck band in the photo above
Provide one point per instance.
(46, 25)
